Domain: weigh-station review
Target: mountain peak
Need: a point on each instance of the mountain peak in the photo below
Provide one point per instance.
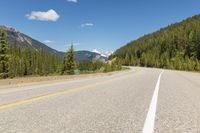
(106, 54)
(8, 28)
(96, 51)
(24, 41)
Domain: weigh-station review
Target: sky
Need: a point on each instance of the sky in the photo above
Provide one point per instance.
(105, 25)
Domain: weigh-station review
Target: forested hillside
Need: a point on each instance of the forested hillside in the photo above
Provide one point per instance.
(15, 37)
(28, 61)
(16, 61)
(174, 47)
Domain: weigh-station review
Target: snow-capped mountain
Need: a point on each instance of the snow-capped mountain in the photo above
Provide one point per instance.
(106, 54)
(109, 53)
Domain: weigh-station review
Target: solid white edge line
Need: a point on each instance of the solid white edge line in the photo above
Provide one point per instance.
(150, 119)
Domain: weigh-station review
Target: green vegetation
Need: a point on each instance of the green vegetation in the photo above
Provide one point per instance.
(90, 66)
(174, 47)
(97, 66)
(69, 62)
(4, 57)
(18, 62)
(27, 61)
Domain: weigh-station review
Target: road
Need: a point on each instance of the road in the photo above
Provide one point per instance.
(139, 100)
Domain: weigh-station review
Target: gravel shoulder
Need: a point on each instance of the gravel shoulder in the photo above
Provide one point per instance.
(40, 80)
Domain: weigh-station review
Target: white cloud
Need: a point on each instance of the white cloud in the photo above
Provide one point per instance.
(73, 1)
(50, 15)
(87, 25)
(48, 41)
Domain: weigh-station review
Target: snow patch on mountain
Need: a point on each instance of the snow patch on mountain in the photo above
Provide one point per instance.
(106, 54)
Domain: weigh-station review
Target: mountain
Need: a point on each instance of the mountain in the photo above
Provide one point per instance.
(106, 54)
(176, 46)
(87, 55)
(24, 41)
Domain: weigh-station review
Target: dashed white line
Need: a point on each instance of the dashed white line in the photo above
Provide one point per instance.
(150, 119)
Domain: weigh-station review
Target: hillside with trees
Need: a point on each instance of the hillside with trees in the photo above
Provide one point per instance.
(15, 37)
(174, 47)
(27, 61)
(16, 61)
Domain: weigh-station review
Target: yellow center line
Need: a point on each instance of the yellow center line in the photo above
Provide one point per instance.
(4, 106)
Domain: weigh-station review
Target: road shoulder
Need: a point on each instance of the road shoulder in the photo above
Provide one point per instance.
(6, 84)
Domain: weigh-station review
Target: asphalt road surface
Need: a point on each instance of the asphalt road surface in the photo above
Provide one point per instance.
(135, 101)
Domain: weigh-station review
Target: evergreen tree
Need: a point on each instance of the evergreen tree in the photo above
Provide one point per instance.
(27, 61)
(69, 62)
(4, 57)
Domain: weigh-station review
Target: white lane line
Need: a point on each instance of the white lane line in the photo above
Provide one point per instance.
(150, 119)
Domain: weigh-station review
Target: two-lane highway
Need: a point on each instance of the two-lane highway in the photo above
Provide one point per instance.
(120, 103)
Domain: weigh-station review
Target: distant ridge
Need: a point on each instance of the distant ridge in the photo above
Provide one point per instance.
(25, 41)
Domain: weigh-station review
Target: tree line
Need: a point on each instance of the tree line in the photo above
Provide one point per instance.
(174, 47)
(18, 62)
(97, 66)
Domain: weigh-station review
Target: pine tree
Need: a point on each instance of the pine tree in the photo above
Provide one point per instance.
(4, 58)
(69, 62)
(28, 61)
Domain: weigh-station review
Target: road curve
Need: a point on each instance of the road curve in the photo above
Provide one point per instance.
(118, 103)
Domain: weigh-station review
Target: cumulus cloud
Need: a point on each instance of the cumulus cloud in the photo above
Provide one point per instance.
(73, 1)
(87, 25)
(49, 15)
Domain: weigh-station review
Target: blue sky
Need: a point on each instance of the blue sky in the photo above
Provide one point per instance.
(93, 24)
